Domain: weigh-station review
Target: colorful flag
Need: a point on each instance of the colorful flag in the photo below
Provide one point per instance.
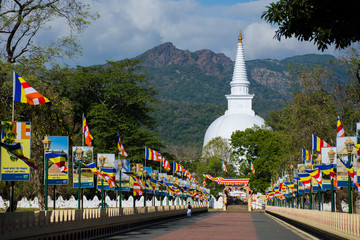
(15, 150)
(340, 132)
(329, 171)
(21, 130)
(305, 179)
(93, 168)
(109, 175)
(165, 164)
(224, 167)
(24, 93)
(252, 167)
(86, 131)
(59, 159)
(138, 168)
(152, 155)
(208, 176)
(178, 167)
(352, 174)
(318, 143)
(138, 184)
(121, 149)
(357, 148)
(306, 155)
(153, 183)
(204, 183)
(316, 174)
(137, 190)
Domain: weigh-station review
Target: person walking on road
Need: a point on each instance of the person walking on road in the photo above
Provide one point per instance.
(189, 210)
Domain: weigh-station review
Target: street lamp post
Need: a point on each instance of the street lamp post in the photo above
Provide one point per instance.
(349, 147)
(331, 155)
(79, 154)
(154, 177)
(47, 144)
(102, 162)
(161, 196)
(134, 171)
(120, 168)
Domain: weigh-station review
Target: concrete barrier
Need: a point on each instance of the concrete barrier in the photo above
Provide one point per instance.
(83, 224)
(343, 225)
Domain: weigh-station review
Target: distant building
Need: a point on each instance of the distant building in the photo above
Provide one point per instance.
(239, 115)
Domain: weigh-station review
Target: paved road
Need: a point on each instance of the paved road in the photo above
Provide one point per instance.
(215, 225)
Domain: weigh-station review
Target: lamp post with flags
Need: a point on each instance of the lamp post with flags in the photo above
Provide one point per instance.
(154, 177)
(47, 143)
(134, 171)
(161, 196)
(102, 162)
(79, 154)
(349, 147)
(120, 168)
(331, 155)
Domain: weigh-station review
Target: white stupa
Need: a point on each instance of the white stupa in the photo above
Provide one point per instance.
(239, 115)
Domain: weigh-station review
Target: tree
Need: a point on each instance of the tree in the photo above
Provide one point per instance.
(20, 22)
(214, 153)
(324, 22)
(116, 100)
(262, 147)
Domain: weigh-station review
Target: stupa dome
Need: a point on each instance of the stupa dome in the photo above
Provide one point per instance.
(239, 115)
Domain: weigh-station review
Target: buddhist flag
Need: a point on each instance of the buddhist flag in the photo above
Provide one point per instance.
(165, 164)
(138, 184)
(329, 171)
(121, 149)
(252, 167)
(318, 143)
(59, 159)
(224, 167)
(357, 148)
(152, 155)
(24, 93)
(22, 130)
(316, 174)
(93, 168)
(352, 174)
(340, 129)
(178, 167)
(86, 131)
(305, 179)
(153, 183)
(15, 150)
(306, 156)
(204, 183)
(109, 175)
(138, 167)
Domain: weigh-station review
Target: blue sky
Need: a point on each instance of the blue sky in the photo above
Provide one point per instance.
(128, 28)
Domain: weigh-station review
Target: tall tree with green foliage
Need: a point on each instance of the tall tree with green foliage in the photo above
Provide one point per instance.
(214, 153)
(323, 22)
(263, 148)
(116, 100)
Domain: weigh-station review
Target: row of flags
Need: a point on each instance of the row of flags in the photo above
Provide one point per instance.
(24, 93)
(228, 180)
(277, 189)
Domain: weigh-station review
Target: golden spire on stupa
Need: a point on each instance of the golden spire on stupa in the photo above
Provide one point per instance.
(240, 37)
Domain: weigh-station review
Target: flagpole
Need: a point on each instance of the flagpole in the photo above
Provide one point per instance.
(13, 103)
(83, 134)
(12, 119)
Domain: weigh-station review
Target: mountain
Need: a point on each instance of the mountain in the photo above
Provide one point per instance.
(192, 87)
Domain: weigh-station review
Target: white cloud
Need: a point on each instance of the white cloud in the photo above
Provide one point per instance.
(128, 28)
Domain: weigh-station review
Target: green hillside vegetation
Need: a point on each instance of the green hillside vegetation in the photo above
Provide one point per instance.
(191, 88)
